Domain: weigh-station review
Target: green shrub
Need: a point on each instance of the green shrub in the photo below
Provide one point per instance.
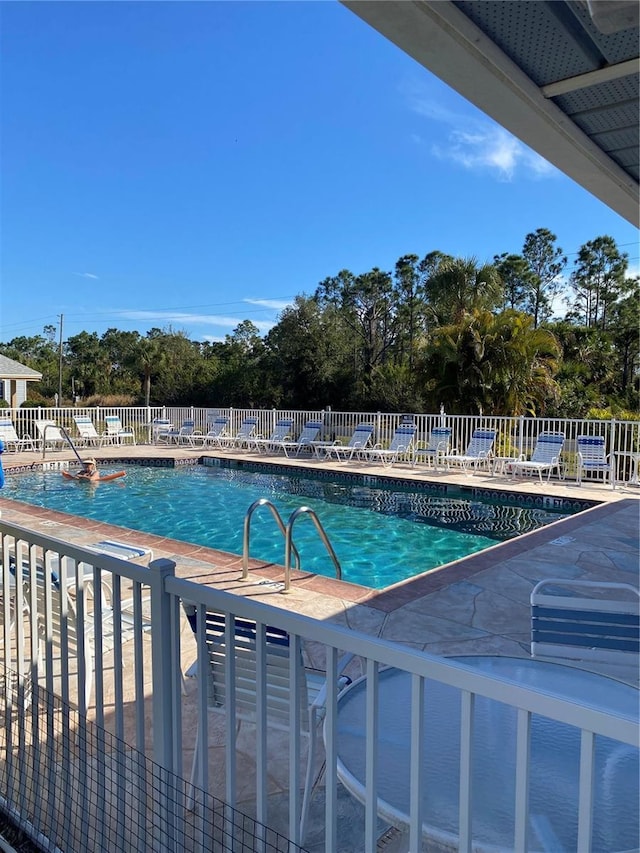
(110, 400)
(607, 414)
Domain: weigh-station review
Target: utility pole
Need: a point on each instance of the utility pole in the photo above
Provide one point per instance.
(60, 365)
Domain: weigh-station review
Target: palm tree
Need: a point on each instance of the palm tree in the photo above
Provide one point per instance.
(148, 357)
(495, 364)
(460, 286)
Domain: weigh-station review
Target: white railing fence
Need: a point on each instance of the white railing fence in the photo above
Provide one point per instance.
(60, 602)
(515, 435)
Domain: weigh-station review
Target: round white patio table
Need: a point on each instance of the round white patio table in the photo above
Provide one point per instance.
(555, 747)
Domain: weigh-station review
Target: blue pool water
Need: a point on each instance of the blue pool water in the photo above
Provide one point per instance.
(380, 535)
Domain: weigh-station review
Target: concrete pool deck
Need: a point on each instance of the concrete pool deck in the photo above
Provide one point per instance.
(478, 605)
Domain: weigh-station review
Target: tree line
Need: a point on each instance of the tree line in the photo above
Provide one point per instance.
(436, 330)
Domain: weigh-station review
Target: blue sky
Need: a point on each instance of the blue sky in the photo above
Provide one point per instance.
(190, 165)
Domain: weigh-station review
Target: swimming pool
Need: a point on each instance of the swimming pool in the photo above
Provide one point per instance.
(381, 535)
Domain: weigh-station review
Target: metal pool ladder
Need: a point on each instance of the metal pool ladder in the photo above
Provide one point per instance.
(289, 547)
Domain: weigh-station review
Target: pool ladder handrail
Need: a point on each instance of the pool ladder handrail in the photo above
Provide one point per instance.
(64, 433)
(247, 533)
(288, 544)
(287, 533)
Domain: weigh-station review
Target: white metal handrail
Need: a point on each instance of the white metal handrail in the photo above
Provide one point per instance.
(246, 536)
(305, 510)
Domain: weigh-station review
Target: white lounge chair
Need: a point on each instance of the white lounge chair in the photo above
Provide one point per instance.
(87, 433)
(273, 649)
(12, 441)
(281, 432)
(116, 432)
(186, 434)
(50, 434)
(304, 441)
(401, 445)
(478, 452)
(216, 431)
(545, 456)
(58, 627)
(242, 437)
(437, 446)
(160, 428)
(360, 440)
(594, 459)
(121, 550)
(113, 548)
(60, 630)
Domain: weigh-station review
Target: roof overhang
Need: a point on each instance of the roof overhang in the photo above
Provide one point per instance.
(31, 377)
(442, 37)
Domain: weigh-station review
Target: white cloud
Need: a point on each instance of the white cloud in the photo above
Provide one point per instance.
(181, 318)
(474, 142)
(86, 275)
(276, 304)
(633, 270)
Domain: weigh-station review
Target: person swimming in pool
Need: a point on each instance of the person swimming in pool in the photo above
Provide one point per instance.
(89, 471)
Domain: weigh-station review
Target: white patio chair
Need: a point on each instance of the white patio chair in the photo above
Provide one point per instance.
(242, 437)
(478, 452)
(186, 434)
(360, 440)
(116, 432)
(545, 457)
(161, 429)
(275, 648)
(12, 441)
(586, 620)
(437, 446)
(50, 434)
(59, 631)
(87, 433)
(281, 432)
(216, 431)
(401, 446)
(304, 441)
(594, 459)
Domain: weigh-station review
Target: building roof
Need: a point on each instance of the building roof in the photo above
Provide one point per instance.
(10, 369)
(561, 75)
